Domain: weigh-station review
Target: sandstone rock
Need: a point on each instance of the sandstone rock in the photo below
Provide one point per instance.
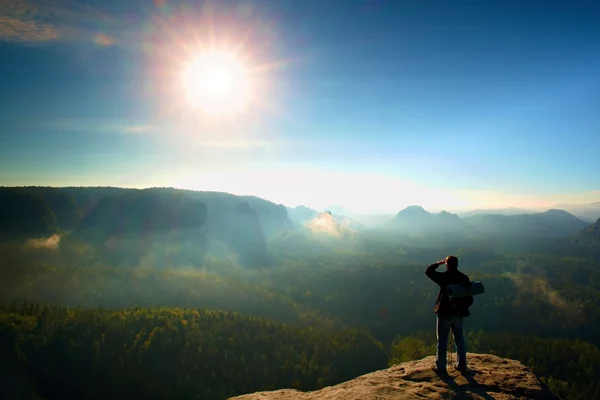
(489, 377)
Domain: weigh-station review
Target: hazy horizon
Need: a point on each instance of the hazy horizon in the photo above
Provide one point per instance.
(370, 106)
(341, 209)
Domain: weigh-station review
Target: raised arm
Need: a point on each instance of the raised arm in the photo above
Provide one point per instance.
(432, 274)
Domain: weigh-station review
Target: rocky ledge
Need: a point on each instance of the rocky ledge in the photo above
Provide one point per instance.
(489, 377)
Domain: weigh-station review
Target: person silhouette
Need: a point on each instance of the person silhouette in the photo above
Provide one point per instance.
(450, 313)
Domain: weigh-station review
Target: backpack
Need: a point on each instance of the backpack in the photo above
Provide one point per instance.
(460, 306)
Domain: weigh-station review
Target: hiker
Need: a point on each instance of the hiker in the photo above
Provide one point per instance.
(450, 313)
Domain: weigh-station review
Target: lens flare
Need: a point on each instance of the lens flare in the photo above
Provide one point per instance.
(217, 82)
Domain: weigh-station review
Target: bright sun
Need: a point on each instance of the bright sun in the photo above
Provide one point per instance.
(217, 83)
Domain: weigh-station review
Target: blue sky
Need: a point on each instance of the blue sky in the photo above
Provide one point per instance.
(371, 105)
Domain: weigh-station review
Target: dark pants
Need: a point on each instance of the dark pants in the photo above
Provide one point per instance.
(445, 323)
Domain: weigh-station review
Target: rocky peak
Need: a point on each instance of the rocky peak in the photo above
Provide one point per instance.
(413, 211)
(489, 377)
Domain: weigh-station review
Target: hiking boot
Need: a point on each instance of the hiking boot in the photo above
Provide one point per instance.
(461, 368)
(434, 368)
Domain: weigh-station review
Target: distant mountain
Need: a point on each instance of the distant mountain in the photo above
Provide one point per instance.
(71, 204)
(496, 211)
(447, 216)
(413, 219)
(326, 223)
(301, 215)
(416, 221)
(589, 212)
(413, 212)
(128, 225)
(589, 236)
(171, 216)
(551, 223)
(273, 217)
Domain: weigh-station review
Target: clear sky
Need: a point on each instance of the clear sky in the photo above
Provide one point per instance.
(370, 105)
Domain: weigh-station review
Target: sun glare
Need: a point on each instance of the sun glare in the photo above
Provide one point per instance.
(217, 83)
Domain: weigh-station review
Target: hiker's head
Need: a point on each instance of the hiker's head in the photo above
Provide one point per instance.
(451, 263)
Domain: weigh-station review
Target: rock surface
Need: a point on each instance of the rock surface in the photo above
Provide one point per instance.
(489, 377)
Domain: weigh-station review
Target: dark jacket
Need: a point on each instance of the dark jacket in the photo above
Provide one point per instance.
(444, 279)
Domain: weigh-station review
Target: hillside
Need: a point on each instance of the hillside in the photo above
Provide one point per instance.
(589, 236)
(24, 214)
(490, 377)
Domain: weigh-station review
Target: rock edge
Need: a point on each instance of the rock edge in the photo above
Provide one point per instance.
(489, 377)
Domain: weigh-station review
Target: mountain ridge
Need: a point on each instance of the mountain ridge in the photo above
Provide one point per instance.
(66, 208)
(500, 211)
(589, 212)
(416, 221)
(125, 225)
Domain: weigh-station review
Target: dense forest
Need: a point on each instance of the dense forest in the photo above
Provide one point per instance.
(166, 293)
(170, 353)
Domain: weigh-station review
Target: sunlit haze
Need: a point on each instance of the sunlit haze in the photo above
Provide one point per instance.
(370, 106)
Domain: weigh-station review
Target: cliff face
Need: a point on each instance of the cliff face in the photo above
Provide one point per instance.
(490, 377)
(136, 223)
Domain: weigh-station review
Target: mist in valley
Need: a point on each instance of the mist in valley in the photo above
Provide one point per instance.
(124, 250)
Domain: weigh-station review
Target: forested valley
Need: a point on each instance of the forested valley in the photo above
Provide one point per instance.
(131, 310)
